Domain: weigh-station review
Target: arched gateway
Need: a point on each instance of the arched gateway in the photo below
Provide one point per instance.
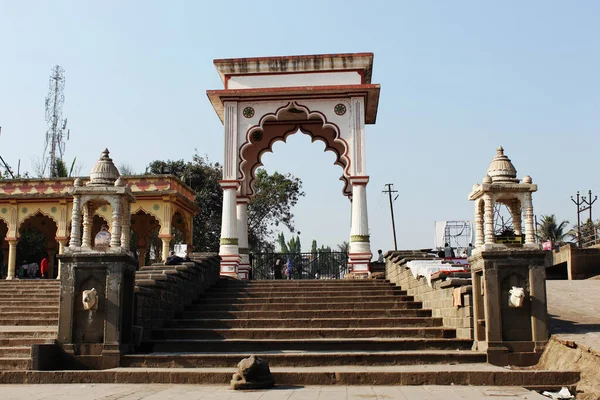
(329, 97)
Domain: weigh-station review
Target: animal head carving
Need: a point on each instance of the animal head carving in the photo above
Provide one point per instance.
(517, 295)
(90, 299)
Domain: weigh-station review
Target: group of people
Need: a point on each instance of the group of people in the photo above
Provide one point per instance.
(34, 270)
(448, 251)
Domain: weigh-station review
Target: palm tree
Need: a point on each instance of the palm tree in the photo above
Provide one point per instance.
(549, 229)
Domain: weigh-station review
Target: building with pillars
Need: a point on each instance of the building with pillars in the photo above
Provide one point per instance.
(264, 100)
(501, 185)
(163, 203)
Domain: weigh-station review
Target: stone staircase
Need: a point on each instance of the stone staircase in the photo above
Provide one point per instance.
(320, 332)
(28, 315)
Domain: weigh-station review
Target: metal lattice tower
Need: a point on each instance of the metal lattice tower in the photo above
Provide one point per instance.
(57, 132)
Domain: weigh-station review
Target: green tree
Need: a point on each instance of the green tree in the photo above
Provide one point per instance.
(275, 195)
(343, 247)
(203, 177)
(549, 229)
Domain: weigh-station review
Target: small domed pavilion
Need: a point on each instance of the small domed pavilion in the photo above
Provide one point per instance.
(501, 185)
(104, 187)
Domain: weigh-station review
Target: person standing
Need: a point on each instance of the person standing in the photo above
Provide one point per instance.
(44, 267)
(277, 268)
(289, 269)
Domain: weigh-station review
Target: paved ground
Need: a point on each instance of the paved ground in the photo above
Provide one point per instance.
(573, 311)
(190, 392)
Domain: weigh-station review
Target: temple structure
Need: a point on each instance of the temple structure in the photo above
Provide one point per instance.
(264, 100)
(163, 203)
(501, 185)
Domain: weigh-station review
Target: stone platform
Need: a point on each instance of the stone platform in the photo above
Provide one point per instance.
(187, 392)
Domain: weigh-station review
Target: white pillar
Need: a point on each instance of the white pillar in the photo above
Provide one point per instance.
(528, 211)
(360, 246)
(490, 238)
(479, 239)
(76, 223)
(229, 249)
(243, 247)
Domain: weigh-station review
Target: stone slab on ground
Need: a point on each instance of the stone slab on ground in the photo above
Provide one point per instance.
(188, 392)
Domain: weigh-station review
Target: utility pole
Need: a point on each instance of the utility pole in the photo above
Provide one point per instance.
(389, 191)
(580, 208)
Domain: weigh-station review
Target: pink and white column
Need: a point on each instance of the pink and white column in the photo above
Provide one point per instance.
(360, 245)
(229, 248)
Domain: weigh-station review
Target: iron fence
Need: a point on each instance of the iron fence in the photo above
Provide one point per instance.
(319, 265)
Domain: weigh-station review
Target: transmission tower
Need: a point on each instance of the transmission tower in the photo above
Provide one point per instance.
(57, 132)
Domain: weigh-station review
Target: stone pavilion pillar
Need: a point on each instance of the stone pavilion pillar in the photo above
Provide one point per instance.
(229, 249)
(360, 246)
(76, 219)
(489, 219)
(515, 211)
(242, 220)
(479, 238)
(12, 258)
(529, 226)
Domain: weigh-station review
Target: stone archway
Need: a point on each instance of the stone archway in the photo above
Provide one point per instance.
(330, 98)
(142, 223)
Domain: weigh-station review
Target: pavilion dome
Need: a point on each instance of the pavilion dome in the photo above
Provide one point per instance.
(501, 169)
(104, 172)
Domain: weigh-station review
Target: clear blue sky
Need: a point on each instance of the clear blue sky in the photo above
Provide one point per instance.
(457, 79)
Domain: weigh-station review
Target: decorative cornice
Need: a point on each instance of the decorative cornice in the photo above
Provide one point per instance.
(360, 238)
(229, 241)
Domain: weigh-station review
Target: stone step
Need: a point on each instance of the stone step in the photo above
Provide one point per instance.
(14, 364)
(403, 305)
(269, 285)
(304, 322)
(462, 374)
(406, 313)
(334, 344)
(303, 359)
(45, 332)
(15, 352)
(302, 333)
(29, 296)
(303, 299)
(6, 310)
(27, 304)
(304, 293)
(26, 319)
(25, 341)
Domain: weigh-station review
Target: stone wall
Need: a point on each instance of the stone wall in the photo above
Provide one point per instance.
(164, 290)
(437, 297)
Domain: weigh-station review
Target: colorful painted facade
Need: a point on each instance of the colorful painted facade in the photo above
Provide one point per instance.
(46, 206)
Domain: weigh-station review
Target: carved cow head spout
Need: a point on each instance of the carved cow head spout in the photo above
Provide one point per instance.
(90, 299)
(517, 295)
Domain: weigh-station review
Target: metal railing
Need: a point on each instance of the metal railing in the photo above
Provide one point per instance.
(318, 265)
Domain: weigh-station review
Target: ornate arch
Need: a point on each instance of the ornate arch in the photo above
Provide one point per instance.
(35, 213)
(283, 122)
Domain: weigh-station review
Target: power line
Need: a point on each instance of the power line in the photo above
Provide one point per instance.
(389, 191)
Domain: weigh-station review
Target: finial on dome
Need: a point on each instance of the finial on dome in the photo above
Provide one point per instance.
(527, 179)
(487, 179)
(501, 168)
(104, 172)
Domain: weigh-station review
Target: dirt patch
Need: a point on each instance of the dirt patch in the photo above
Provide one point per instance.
(564, 354)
